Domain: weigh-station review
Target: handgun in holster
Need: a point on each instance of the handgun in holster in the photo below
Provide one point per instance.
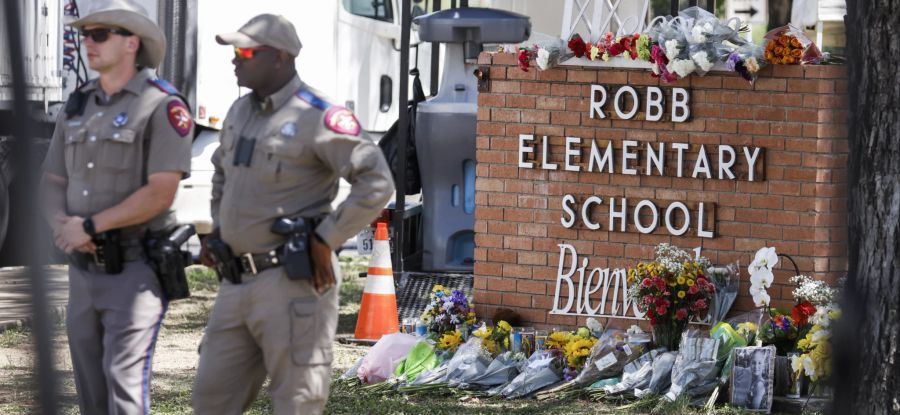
(225, 262)
(109, 252)
(169, 261)
(296, 252)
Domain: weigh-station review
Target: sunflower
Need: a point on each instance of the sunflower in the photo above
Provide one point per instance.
(558, 340)
(450, 341)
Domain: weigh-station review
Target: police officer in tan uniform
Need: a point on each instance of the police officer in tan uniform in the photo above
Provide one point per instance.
(118, 152)
(283, 149)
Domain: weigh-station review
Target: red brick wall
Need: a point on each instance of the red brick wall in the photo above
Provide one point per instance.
(797, 114)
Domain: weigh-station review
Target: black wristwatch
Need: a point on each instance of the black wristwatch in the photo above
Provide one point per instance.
(88, 226)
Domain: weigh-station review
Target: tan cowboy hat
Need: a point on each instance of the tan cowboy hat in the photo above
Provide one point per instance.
(132, 17)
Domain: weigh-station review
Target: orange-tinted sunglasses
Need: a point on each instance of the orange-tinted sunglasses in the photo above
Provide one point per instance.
(247, 53)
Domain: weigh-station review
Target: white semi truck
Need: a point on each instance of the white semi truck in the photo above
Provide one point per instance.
(351, 52)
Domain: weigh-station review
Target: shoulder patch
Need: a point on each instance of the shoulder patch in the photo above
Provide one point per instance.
(341, 120)
(179, 117)
(164, 86)
(312, 99)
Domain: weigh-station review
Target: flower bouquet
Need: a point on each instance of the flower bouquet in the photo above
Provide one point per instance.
(815, 358)
(445, 311)
(788, 45)
(495, 340)
(746, 60)
(671, 290)
(542, 369)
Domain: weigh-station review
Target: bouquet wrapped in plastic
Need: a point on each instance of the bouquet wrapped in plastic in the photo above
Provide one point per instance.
(608, 357)
(636, 375)
(420, 358)
(788, 45)
(542, 369)
(705, 35)
(504, 368)
(383, 358)
(726, 280)
(662, 375)
(728, 340)
(695, 368)
(746, 60)
(468, 363)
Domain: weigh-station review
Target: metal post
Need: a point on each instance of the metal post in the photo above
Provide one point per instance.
(673, 9)
(435, 58)
(402, 138)
(22, 156)
(711, 6)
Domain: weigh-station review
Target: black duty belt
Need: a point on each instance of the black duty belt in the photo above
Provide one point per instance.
(256, 263)
(83, 260)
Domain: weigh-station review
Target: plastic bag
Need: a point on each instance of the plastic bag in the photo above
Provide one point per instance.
(351, 373)
(788, 45)
(726, 279)
(608, 357)
(383, 358)
(662, 375)
(542, 369)
(504, 368)
(637, 374)
(469, 362)
(695, 365)
(728, 340)
(420, 358)
(703, 26)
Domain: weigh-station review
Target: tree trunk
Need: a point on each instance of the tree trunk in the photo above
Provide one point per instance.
(867, 365)
(779, 13)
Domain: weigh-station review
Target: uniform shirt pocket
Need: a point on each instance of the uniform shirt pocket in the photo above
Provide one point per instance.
(282, 157)
(118, 149)
(75, 152)
(306, 328)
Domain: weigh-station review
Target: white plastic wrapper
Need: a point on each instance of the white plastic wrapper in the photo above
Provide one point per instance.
(636, 375)
(504, 368)
(541, 369)
(695, 365)
(662, 375)
(383, 358)
(469, 362)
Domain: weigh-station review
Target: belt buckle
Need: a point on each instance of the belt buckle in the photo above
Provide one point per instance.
(247, 259)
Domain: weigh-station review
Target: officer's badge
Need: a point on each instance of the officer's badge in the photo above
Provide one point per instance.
(179, 117)
(289, 129)
(120, 119)
(341, 120)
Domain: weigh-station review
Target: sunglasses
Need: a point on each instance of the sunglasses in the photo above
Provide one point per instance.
(247, 53)
(101, 35)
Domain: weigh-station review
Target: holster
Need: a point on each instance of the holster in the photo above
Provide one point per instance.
(169, 261)
(296, 251)
(109, 254)
(226, 264)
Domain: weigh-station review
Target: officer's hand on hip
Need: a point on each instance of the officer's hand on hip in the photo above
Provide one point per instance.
(72, 236)
(206, 257)
(323, 275)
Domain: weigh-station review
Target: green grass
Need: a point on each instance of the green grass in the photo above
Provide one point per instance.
(15, 337)
(201, 278)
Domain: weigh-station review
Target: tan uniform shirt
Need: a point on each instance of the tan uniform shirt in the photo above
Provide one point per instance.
(103, 152)
(298, 158)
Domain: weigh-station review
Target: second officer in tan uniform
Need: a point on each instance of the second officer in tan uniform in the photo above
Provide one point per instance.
(116, 157)
(283, 149)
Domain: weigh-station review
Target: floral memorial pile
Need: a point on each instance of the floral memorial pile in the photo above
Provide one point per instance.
(693, 42)
(691, 353)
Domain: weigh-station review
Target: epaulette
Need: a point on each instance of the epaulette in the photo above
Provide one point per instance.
(312, 99)
(164, 86)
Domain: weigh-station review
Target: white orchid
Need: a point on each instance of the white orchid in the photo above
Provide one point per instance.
(760, 296)
(765, 258)
(762, 277)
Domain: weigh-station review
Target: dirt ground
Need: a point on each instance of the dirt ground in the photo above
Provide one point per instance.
(175, 364)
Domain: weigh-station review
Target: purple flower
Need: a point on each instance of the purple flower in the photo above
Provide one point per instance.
(733, 60)
(569, 374)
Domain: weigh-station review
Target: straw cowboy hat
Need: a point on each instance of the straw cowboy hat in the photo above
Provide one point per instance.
(130, 16)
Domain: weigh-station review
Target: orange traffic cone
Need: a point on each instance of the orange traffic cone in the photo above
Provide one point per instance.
(378, 310)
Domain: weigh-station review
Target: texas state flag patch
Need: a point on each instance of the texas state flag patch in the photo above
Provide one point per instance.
(341, 120)
(179, 117)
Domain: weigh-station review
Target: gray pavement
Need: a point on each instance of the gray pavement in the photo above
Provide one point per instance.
(15, 294)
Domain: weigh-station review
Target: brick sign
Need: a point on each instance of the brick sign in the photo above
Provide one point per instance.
(582, 172)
